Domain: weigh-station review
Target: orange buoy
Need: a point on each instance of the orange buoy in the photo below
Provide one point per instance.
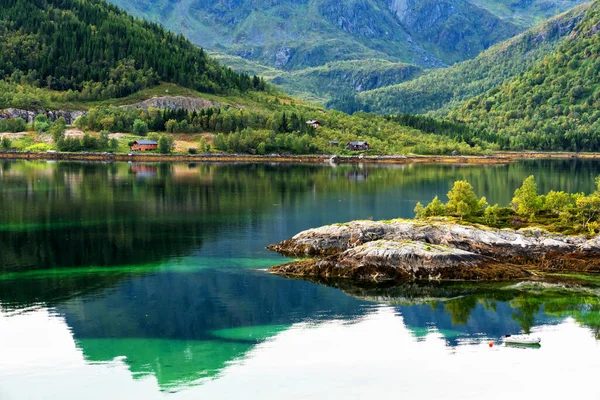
(491, 344)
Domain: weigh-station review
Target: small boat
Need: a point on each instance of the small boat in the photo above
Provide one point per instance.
(525, 340)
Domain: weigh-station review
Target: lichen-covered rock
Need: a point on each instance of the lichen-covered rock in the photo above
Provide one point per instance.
(439, 250)
(388, 260)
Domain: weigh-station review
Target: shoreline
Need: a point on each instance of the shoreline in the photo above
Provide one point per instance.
(494, 159)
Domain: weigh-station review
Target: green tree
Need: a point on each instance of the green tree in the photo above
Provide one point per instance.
(220, 142)
(58, 129)
(557, 202)
(171, 126)
(203, 146)
(491, 214)
(261, 148)
(588, 208)
(140, 127)
(103, 140)
(165, 144)
(434, 209)
(5, 143)
(41, 123)
(526, 201)
(462, 200)
(419, 210)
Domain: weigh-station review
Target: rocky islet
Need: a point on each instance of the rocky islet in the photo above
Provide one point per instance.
(434, 250)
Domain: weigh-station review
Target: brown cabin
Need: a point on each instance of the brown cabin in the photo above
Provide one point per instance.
(358, 146)
(144, 145)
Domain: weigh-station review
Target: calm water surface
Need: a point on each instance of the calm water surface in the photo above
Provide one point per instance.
(148, 281)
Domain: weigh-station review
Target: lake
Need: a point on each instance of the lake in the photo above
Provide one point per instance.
(149, 281)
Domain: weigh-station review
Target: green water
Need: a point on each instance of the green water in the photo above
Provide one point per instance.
(148, 281)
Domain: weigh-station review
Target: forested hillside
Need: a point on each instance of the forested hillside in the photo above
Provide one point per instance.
(442, 89)
(111, 74)
(320, 84)
(555, 105)
(95, 48)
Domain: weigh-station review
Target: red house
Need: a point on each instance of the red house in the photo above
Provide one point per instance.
(144, 145)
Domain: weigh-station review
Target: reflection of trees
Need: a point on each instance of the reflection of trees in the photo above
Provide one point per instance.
(460, 309)
(585, 309)
(525, 311)
(483, 308)
(75, 214)
(22, 293)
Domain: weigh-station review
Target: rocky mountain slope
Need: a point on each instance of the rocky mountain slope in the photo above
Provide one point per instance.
(309, 38)
(526, 12)
(296, 34)
(442, 89)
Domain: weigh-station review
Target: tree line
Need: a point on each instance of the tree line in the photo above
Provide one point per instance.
(556, 210)
(213, 119)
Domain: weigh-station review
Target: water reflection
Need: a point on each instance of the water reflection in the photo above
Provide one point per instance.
(185, 329)
(331, 355)
(110, 272)
(86, 214)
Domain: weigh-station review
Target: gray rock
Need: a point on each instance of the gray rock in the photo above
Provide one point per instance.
(175, 103)
(434, 250)
(29, 115)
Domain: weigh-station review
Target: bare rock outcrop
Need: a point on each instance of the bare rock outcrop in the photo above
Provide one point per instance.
(29, 115)
(189, 104)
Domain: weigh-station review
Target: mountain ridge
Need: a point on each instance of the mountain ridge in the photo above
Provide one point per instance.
(554, 104)
(291, 39)
(440, 90)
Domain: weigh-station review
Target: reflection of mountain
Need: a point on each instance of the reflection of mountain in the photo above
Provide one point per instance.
(185, 326)
(174, 363)
(181, 327)
(185, 319)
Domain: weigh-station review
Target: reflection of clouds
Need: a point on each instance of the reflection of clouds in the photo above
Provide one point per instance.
(24, 346)
(376, 357)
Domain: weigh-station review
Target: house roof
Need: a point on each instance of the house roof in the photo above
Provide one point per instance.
(313, 121)
(143, 141)
(357, 143)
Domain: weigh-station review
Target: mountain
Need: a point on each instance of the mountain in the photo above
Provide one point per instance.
(295, 43)
(89, 64)
(96, 48)
(442, 89)
(292, 34)
(526, 12)
(555, 104)
(319, 84)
